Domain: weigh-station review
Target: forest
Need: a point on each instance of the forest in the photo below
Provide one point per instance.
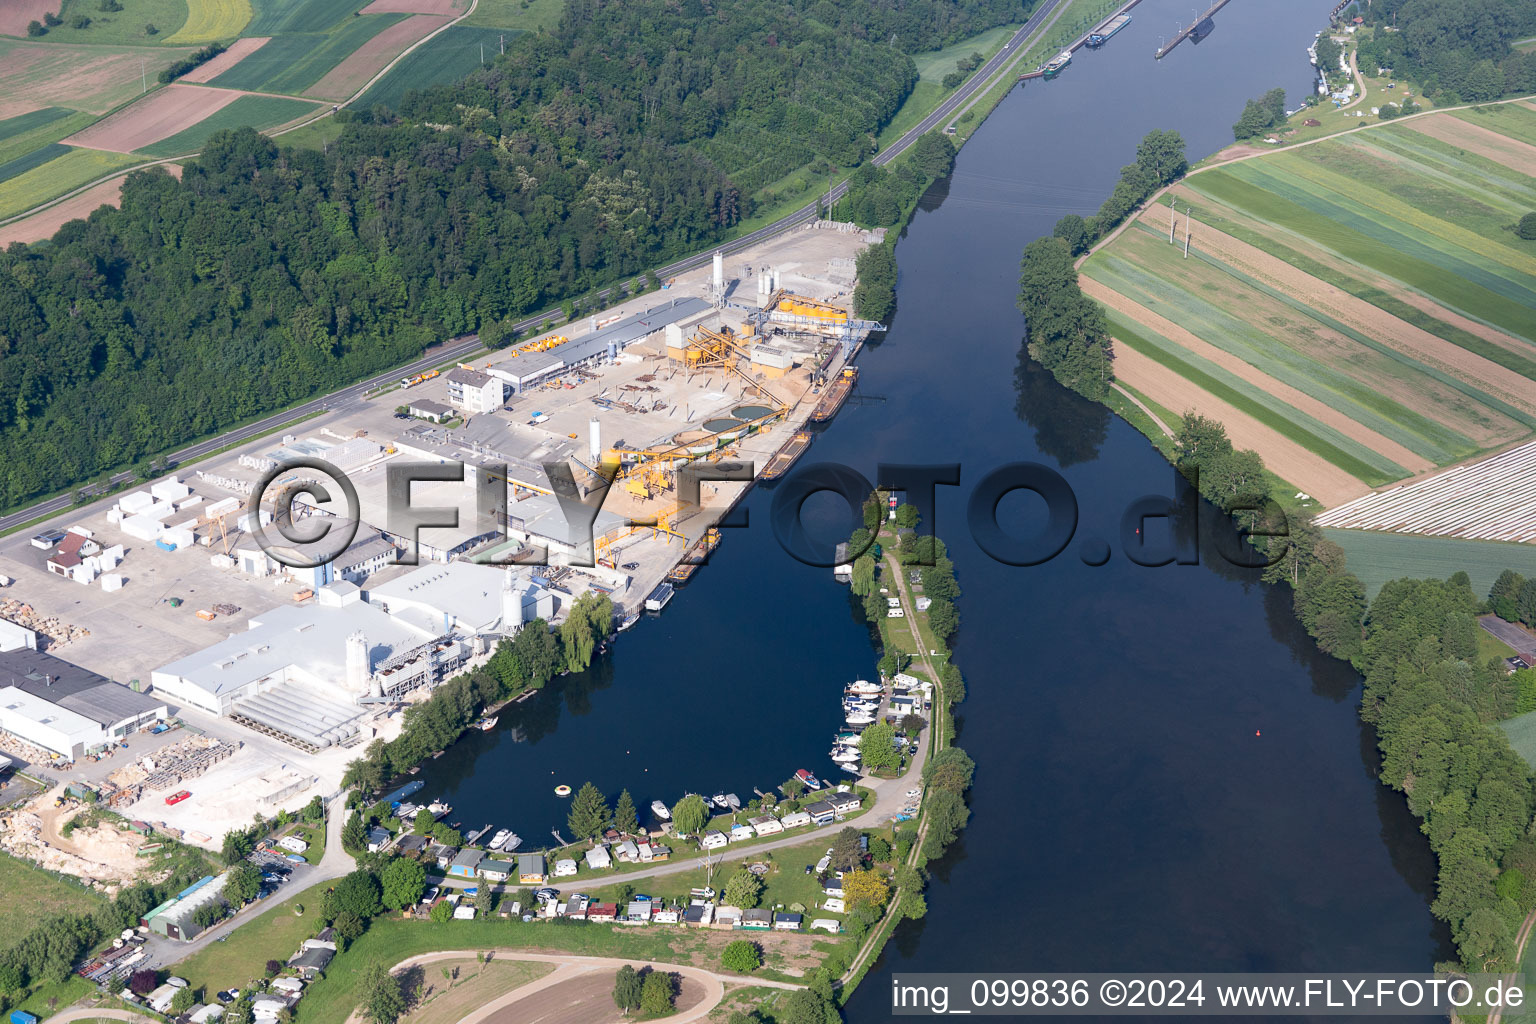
(632, 135)
(1461, 48)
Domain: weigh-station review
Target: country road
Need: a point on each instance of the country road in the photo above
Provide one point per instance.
(457, 348)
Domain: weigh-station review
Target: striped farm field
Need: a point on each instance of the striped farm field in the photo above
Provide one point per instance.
(272, 17)
(1516, 120)
(447, 57)
(22, 136)
(58, 176)
(94, 79)
(292, 63)
(1362, 304)
(259, 112)
(210, 20)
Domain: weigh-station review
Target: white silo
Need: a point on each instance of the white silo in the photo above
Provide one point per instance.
(511, 605)
(595, 441)
(357, 663)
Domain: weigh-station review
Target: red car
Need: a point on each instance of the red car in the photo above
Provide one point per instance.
(176, 798)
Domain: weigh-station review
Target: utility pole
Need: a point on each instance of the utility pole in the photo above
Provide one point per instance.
(1173, 217)
(1188, 220)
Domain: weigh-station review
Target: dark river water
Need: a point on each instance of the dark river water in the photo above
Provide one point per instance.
(1125, 814)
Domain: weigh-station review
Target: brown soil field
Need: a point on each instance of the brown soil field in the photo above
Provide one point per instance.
(1269, 385)
(1373, 370)
(445, 8)
(1239, 152)
(238, 51)
(85, 78)
(1289, 460)
(158, 116)
(15, 108)
(1512, 153)
(1387, 329)
(45, 223)
(369, 59)
(14, 14)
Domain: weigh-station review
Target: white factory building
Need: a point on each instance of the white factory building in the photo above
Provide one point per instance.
(307, 674)
(65, 709)
(473, 391)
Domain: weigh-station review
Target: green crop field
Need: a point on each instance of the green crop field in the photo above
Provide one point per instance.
(273, 17)
(1379, 557)
(292, 63)
(525, 15)
(1521, 731)
(27, 888)
(1416, 228)
(27, 161)
(124, 26)
(58, 176)
(23, 124)
(446, 58)
(214, 19)
(258, 112)
(1512, 119)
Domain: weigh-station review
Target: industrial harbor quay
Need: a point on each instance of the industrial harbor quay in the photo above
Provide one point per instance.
(166, 605)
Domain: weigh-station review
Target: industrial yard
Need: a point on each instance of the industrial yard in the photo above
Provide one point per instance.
(289, 671)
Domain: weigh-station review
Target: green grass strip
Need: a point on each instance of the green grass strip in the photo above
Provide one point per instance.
(11, 127)
(1272, 355)
(1217, 388)
(1457, 163)
(1395, 239)
(293, 63)
(1430, 427)
(36, 158)
(1435, 281)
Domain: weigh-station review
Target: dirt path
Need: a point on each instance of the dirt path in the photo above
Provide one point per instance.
(1521, 939)
(1271, 386)
(1138, 403)
(1289, 460)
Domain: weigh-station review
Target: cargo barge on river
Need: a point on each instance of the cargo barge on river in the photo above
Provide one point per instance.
(786, 456)
(836, 394)
(1101, 35)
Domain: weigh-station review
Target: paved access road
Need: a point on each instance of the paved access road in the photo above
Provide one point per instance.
(458, 348)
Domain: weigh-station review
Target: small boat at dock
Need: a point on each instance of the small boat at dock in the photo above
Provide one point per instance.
(811, 781)
(512, 843)
(859, 718)
(719, 801)
(864, 686)
(486, 724)
(733, 801)
(499, 838)
(660, 810)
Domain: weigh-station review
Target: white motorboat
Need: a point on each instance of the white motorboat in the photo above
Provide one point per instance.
(512, 843)
(859, 718)
(499, 838)
(863, 686)
(843, 755)
(719, 801)
(733, 801)
(861, 705)
(660, 810)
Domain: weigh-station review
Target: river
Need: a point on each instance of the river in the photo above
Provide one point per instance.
(1170, 776)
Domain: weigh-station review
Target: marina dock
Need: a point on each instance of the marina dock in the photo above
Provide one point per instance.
(1197, 29)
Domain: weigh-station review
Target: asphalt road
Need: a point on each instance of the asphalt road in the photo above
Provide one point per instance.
(459, 347)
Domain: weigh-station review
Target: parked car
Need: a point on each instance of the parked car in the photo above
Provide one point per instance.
(430, 895)
(178, 796)
(630, 566)
(546, 894)
(914, 793)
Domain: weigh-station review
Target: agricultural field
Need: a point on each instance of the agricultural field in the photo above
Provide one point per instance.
(273, 17)
(94, 79)
(232, 55)
(448, 57)
(259, 112)
(359, 68)
(1358, 311)
(291, 63)
(128, 26)
(46, 223)
(162, 113)
(1377, 558)
(58, 176)
(1521, 731)
(210, 20)
(24, 136)
(933, 66)
(523, 15)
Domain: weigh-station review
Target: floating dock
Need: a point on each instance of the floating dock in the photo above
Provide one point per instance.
(1197, 30)
(659, 598)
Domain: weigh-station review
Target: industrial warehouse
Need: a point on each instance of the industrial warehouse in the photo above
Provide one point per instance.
(309, 674)
(66, 710)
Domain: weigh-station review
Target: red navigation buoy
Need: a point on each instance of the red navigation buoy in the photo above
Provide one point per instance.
(1257, 733)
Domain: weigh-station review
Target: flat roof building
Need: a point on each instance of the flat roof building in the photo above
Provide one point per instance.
(65, 709)
(427, 409)
(525, 368)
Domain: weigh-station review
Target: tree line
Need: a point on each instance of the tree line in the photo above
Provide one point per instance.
(526, 661)
(1458, 50)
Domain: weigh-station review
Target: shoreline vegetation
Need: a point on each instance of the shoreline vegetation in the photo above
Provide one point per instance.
(1433, 701)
